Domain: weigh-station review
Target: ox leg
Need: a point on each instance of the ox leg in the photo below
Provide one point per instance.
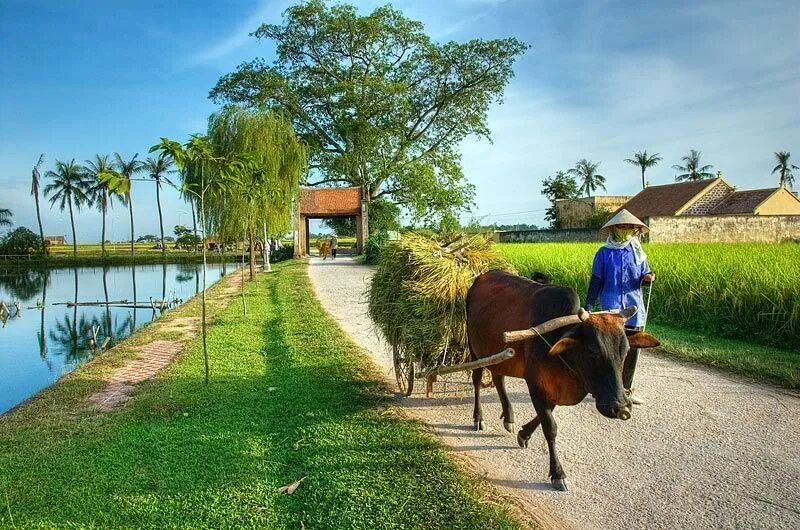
(550, 429)
(477, 414)
(508, 413)
(524, 434)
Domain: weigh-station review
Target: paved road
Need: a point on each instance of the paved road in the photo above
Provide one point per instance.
(707, 450)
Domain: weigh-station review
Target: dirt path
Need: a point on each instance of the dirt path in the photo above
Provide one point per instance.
(706, 451)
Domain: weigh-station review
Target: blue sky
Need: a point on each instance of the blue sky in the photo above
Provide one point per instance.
(601, 80)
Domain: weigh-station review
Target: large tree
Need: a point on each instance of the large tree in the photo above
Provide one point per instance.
(589, 179)
(99, 193)
(693, 170)
(36, 179)
(784, 168)
(558, 187)
(69, 190)
(645, 161)
(158, 168)
(378, 103)
(128, 169)
(5, 217)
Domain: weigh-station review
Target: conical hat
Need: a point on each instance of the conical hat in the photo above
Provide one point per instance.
(623, 217)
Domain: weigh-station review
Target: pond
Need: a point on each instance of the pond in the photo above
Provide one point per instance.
(49, 338)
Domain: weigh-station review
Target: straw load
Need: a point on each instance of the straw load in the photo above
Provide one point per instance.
(418, 295)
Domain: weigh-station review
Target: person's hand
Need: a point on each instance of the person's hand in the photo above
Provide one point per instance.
(649, 278)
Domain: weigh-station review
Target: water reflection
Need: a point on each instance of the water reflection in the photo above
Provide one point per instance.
(68, 315)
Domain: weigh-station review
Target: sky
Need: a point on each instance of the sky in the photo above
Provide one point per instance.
(601, 80)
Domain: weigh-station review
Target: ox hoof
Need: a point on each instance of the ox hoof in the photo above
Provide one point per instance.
(510, 427)
(479, 425)
(522, 441)
(559, 484)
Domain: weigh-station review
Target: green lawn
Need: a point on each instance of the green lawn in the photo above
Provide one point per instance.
(290, 397)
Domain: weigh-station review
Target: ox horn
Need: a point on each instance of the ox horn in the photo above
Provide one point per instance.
(541, 329)
(628, 312)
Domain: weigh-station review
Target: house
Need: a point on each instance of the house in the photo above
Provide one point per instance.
(55, 240)
(713, 210)
(579, 213)
(710, 197)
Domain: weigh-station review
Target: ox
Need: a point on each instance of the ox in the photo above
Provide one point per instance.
(586, 355)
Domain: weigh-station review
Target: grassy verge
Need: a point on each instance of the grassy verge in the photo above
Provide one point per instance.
(761, 362)
(290, 397)
(86, 260)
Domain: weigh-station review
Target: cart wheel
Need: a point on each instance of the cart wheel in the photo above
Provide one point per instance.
(403, 372)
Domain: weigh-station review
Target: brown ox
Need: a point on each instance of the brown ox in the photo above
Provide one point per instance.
(585, 357)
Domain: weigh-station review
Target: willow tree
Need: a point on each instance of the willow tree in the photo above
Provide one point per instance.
(273, 160)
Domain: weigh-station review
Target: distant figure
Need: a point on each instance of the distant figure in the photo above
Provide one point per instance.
(334, 245)
(324, 247)
(620, 269)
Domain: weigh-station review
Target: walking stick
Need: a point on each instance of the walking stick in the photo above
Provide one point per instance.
(647, 306)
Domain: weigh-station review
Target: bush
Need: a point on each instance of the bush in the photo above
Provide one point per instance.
(281, 254)
(374, 247)
(20, 241)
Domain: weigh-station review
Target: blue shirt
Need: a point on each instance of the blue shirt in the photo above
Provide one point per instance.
(616, 281)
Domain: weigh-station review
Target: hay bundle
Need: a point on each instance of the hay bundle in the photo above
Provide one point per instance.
(418, 295)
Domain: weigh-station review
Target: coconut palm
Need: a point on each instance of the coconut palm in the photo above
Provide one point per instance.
(644, 160)
(68, 189)
(127, 170)
(5, 217)
(36, 178)
(693, 170)
(784, 168)
(100, 192)
(588, 178)
(157, 169)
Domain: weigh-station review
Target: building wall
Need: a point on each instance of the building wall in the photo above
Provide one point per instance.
(780, 203)
(575, 213)
(725, 229)
(709, 200)
(547, 236)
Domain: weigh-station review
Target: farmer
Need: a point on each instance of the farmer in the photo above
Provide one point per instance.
(620, 269)
(334, 245)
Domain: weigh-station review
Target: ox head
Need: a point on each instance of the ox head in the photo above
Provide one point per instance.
(596, 350)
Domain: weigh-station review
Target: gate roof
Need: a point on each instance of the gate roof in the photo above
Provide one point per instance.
(330, 202)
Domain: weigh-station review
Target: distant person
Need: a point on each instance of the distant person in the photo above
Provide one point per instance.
(334, 245)
(620, 269)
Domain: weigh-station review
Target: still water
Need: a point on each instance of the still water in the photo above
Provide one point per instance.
(49, 338)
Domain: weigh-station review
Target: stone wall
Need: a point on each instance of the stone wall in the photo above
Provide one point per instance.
(725, 229)
(547, 236)
(576, 213)
(710, 200)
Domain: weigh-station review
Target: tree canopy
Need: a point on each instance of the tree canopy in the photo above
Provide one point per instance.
(693, 170)
(558, 187)
(377, 102)
(20, 241)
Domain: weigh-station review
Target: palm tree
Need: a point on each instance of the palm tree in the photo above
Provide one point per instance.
(693, 170)
(127, 170)
(5, 217)
(158, 168)
(36, 177)
(100, 192)
(785, 168)
(69, 188)
(589, 179)
(644, 161)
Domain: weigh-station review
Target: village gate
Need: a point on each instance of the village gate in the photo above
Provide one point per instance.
(326, 203)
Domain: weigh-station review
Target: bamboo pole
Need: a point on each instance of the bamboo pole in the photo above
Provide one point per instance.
(497, 358)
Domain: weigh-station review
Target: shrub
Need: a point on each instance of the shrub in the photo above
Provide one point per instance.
(281, 254)
(20, 241)
(374, 247)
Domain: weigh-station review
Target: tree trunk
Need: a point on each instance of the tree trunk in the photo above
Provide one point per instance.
(203, 295)
(267, 246)
(160, 216)
(244, 302)
(72, 222)
(194, 223)
(103, 235)
(643, 182)
(39, 218)
(252, 259)
(130, 209)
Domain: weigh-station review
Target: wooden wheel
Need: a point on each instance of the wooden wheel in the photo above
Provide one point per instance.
(403, 372)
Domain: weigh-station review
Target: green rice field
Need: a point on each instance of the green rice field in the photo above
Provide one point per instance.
(747, 291)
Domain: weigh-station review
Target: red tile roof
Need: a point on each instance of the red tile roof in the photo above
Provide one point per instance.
(324, 202)
(742, 202)
(665, 200)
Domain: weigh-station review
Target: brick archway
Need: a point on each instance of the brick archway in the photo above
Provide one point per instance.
(325, 203)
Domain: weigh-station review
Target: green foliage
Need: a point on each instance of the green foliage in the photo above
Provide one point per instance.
(784, 168)
(378, 103)
(20, 241)
(598, 218)
(645, 161)
(732, 290)
(185, 237)
(692, 170)
(5, 217)
(561, 186)
(588, 178)
(374, 247)
(291, 396)
(342, 226)
(282, 254)
(383, 215)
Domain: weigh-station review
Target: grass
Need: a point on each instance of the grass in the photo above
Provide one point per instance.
(746, 291)
(290, 397)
